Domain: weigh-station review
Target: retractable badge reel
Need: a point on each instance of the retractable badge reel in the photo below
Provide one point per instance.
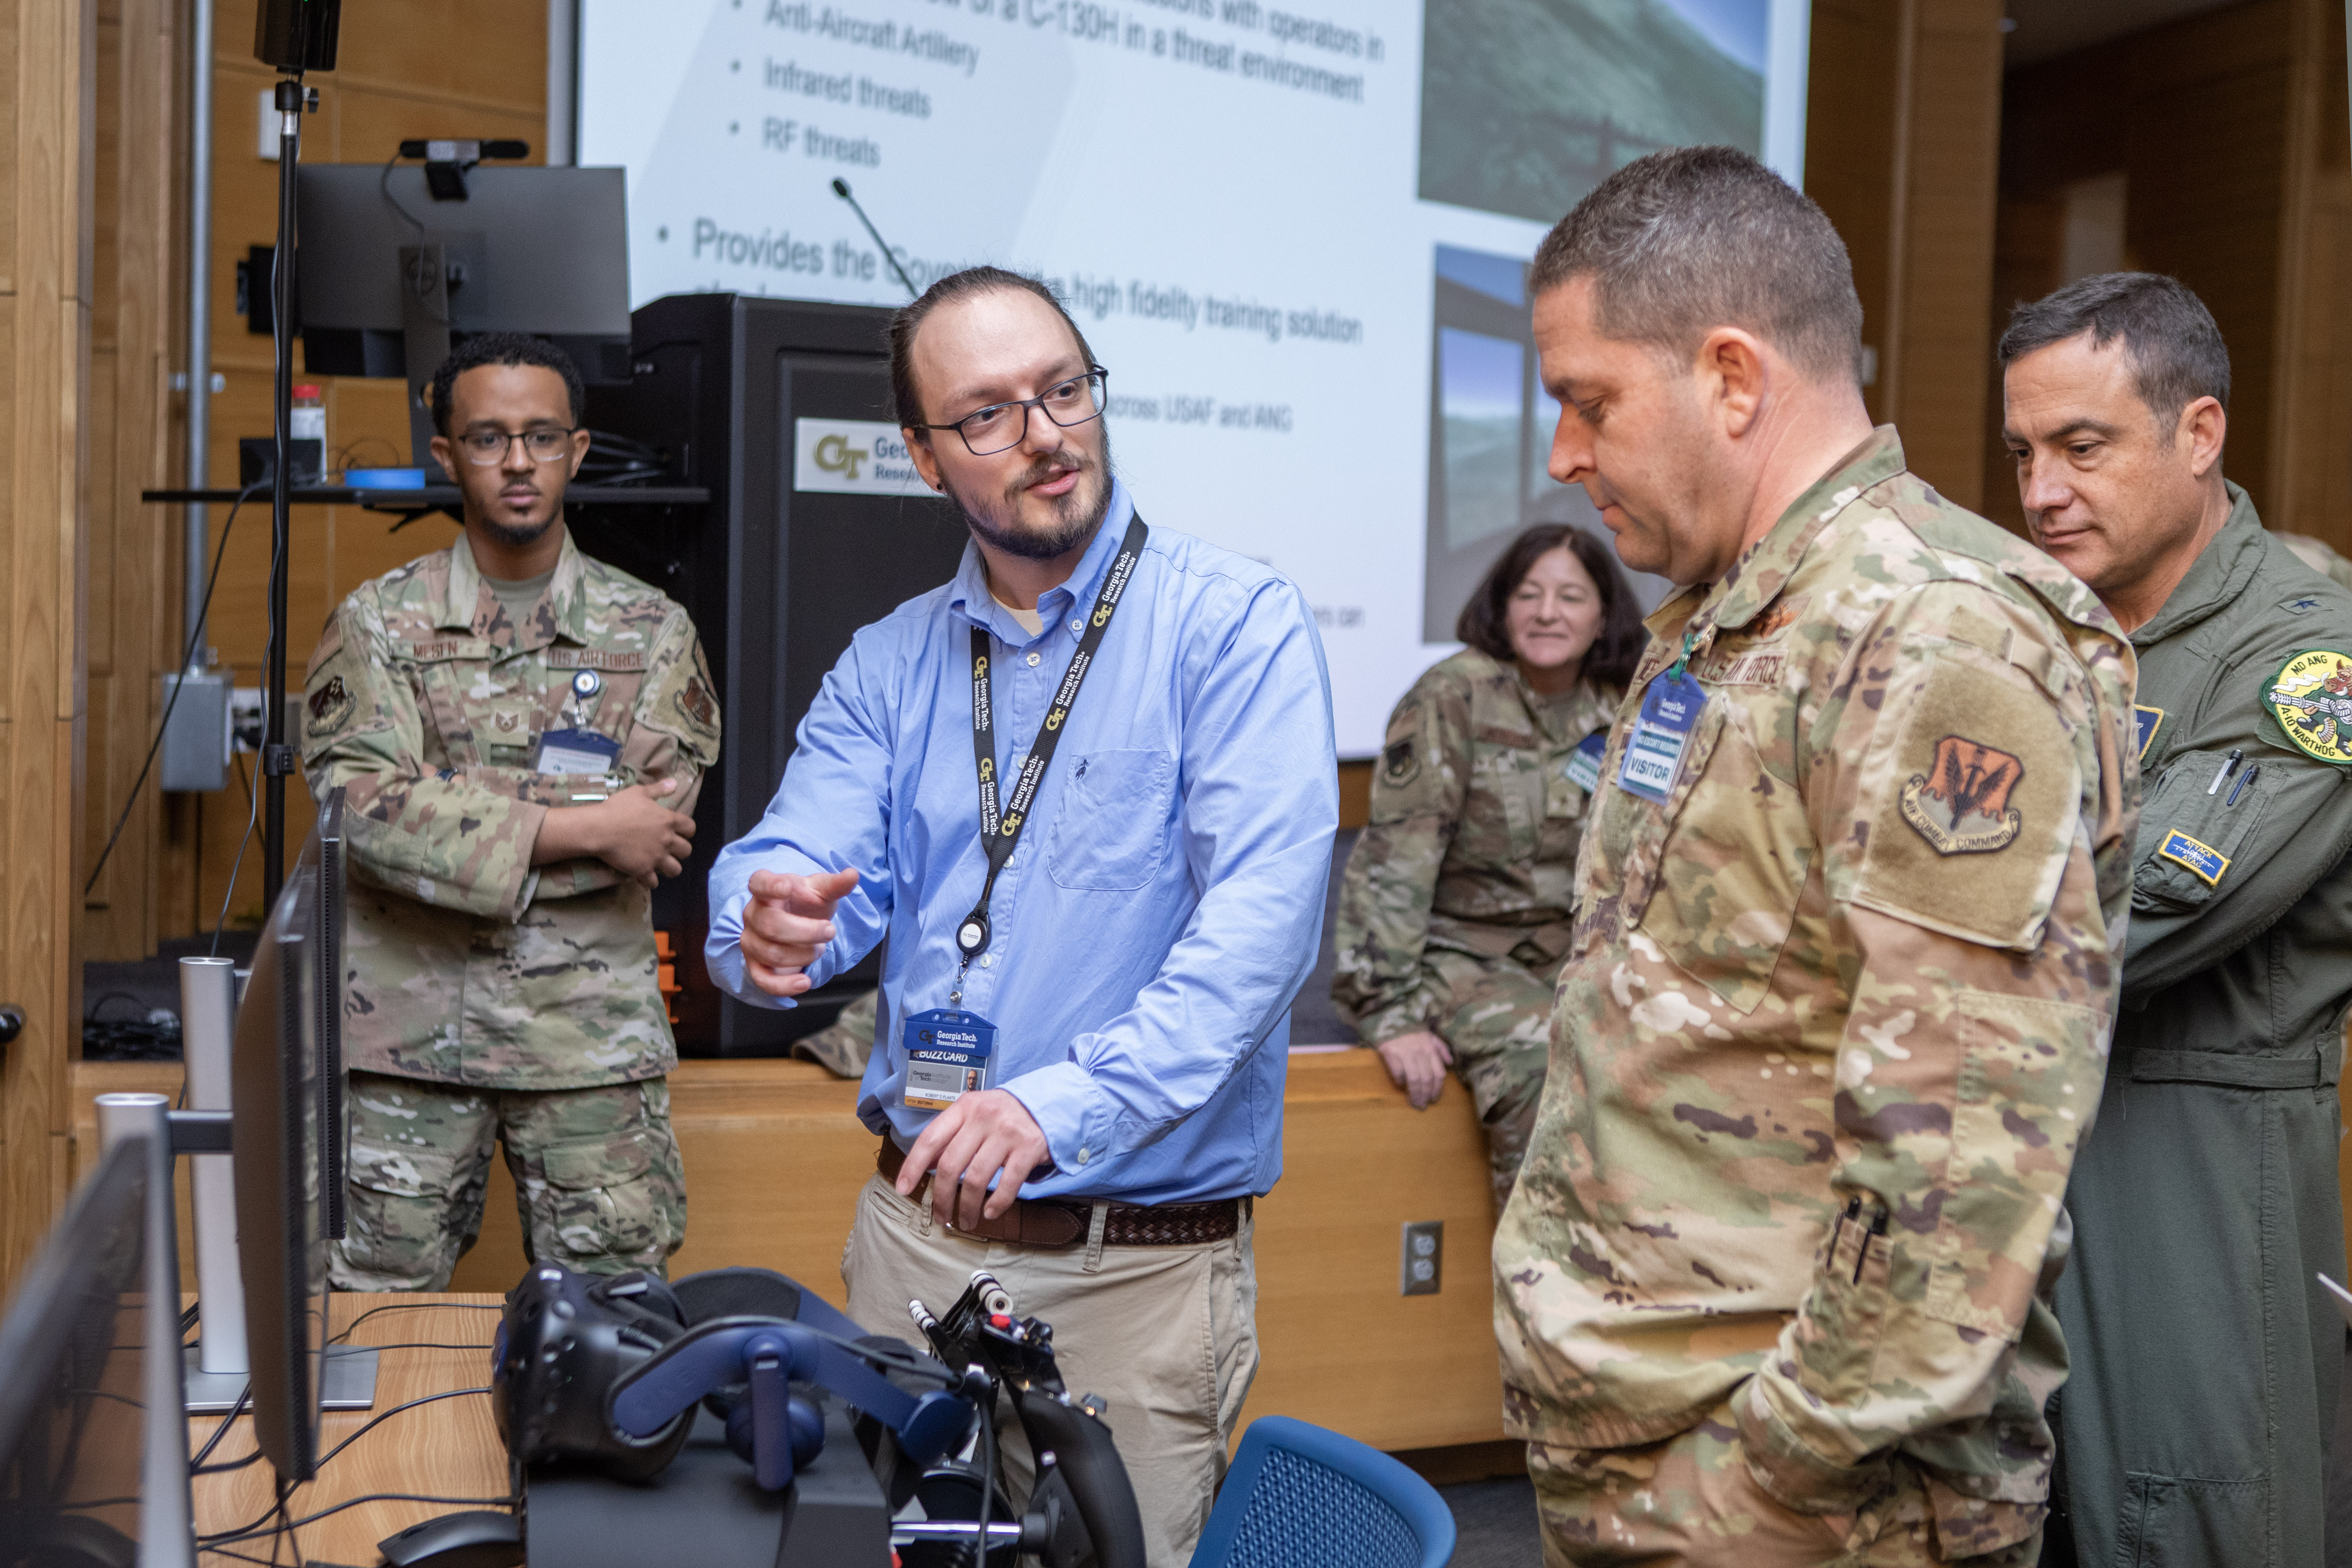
(579, 749)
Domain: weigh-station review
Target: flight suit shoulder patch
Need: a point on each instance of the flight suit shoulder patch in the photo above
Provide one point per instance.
(1970, 827)
(2311, 698)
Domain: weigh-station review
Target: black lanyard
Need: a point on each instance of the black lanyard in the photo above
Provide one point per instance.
(999, 834)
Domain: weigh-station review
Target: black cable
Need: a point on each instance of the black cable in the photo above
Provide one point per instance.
(252, 814)
(416, 1307)
(414, 1346)
(379, 1420)
(221, 1431)
(210, 1543)
(195, 634)
(987, 1481)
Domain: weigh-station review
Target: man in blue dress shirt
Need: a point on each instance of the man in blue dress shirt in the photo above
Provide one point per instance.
(1085, 1021)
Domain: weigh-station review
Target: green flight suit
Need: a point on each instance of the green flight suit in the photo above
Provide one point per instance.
(2205, 1357)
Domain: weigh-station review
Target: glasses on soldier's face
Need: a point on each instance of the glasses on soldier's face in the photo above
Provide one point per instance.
(1000, 426)
(544, 443)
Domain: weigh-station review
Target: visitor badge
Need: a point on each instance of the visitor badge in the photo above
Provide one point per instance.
(575, 752)
(1583, 765)
(947, 1056)
(1654, 753)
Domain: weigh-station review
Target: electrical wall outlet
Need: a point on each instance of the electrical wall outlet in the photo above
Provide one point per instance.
(1422, 1268)
(247, 719)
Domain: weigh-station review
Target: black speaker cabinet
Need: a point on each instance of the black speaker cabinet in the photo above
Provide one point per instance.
(777, 578)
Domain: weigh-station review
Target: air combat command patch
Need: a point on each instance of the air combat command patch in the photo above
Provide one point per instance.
(2311, 697)
(1961, 806)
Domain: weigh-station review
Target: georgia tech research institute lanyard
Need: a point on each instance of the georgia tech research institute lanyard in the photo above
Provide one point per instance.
(999, 832)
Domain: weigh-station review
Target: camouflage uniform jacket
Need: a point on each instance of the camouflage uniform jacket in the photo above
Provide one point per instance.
(1472, 840)
(466, 964)
(1835, 1017)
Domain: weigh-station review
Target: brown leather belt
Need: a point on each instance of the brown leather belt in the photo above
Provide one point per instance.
(1054, 1222)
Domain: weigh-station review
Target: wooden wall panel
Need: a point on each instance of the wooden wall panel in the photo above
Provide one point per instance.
(1902, 151)
(48, 59)
(129, 627)
(395, 78)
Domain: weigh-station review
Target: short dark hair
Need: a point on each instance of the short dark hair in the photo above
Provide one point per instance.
(1682, 242)
(504, 348)
(964, 285)
(2176, 353)
(1613, 654)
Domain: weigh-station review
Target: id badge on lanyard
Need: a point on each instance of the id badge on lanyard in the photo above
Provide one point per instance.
(948, 1056)
(1662, 732)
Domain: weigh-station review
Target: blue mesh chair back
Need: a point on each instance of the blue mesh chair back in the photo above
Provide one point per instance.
(1300, 1496)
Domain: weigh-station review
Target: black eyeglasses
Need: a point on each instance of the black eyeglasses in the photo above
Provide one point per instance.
(545, 442)
(1000, 426)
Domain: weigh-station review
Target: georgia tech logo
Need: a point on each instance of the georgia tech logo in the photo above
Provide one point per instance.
(1053, 719)
(834, 455)
(1102, 614)
(980, 665)
(987, 769)
(1011, 825)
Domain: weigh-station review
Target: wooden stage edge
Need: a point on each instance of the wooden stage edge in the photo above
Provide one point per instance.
(774, 1157)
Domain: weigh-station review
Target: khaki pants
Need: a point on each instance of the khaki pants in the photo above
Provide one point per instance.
(1167, 1335)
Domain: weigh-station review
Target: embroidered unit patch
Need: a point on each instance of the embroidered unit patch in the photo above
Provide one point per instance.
(2204, 862)
(2311, 697)
(2148, 722)
(1961, 808)
(1399, 763)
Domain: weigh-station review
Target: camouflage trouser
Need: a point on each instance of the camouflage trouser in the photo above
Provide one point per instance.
(597, 1177)
(1689, 1500)
(842, 1046)
(1497, 1020)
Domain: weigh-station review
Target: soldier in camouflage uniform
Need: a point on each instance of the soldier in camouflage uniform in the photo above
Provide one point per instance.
(1452, 911)
(516, 753)
(1774, 1286)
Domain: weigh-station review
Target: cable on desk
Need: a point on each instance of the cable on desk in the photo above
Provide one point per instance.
(211, 1543)
(379, 1420)
(243, 1398)
(416, 1307)
(414, 1346)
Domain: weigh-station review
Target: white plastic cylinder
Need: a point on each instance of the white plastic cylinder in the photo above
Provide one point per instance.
(207, 1028)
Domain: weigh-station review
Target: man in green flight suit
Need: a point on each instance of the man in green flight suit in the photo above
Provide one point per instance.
(519, 732)
(2205, 1355)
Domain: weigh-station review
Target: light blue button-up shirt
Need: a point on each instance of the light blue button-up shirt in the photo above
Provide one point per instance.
(1163, 905)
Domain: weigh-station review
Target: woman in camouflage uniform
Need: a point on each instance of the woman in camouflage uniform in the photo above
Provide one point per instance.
(1453, 912)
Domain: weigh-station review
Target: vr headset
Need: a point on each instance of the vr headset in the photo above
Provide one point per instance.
(605, 1373)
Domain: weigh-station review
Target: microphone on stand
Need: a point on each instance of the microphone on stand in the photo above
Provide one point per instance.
(841, 189)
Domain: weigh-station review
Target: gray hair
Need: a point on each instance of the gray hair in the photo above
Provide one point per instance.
(1683, 242)
(2176, 353)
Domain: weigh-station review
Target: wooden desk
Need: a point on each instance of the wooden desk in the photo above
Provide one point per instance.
(774, 1157)
(447, 1448)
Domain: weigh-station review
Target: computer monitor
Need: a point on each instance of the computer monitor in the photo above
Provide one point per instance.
(279, 1148)
(74, 1408)
(543, 251)
(328, 996)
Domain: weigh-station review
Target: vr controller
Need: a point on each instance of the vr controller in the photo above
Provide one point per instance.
(603, 1374)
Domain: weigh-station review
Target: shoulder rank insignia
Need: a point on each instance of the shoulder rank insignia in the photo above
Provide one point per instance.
(2204, 862)
(2311, 697)
(2149, 720)
(1962, 807)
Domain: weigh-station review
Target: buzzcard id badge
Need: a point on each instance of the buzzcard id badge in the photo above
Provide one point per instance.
(1654, 753)
(575, 752)
(947, 1056)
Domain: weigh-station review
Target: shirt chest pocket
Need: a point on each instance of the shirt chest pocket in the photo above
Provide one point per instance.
(461, 731)
(1112, 829)
(2187, 836)
(1731, 866)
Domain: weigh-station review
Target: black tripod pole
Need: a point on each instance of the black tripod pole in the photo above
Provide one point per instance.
(276, 756)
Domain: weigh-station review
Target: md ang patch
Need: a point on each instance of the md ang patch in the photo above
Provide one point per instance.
(329, 703)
